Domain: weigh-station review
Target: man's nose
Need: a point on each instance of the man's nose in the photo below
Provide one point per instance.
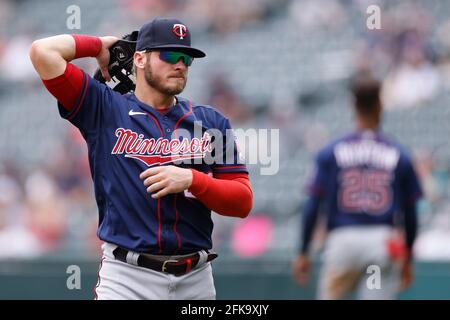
(180, 65)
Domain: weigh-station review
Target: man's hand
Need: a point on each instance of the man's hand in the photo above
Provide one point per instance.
(406, 275)
(165, 180)
(103, 57)
(300, 269)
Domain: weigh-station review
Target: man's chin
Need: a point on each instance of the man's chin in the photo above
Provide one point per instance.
(176, 89)
(176, 83)
(173, 91)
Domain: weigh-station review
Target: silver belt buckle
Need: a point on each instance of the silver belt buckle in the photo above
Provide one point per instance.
(163, 269)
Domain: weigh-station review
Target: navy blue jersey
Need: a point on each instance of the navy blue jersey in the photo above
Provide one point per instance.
(125, 137)
(364, 178)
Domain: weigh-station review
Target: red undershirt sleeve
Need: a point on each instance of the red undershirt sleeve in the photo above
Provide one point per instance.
(67, 87)
(228, 194)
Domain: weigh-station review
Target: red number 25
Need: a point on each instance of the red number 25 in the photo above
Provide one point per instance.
(365, 190)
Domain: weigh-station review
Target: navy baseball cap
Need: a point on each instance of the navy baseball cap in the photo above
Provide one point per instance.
(168, 34)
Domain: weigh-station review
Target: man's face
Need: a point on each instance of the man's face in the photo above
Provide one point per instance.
(167, 78)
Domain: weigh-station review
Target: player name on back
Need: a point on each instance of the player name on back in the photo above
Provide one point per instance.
(366, 152)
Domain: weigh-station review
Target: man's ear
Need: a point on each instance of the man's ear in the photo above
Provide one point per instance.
(140, 59)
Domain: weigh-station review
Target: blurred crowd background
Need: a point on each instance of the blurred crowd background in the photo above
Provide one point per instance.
(281, 64)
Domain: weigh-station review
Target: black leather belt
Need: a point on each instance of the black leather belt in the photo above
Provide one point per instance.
(176, 267)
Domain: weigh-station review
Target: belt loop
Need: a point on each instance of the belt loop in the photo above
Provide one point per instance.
(203, 258)
(108, 249)
(132, 258)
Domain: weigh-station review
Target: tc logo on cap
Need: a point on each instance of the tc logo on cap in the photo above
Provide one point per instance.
(180, 30)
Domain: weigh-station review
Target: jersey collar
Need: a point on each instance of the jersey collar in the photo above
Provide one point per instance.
(178, 110)
(149, 108)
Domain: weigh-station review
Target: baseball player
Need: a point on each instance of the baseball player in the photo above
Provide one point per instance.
(366, 185)
(154, 187)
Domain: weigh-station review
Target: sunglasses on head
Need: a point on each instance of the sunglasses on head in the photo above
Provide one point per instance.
(173, 57)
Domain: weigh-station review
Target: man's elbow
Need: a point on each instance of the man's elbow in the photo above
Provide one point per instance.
(47, 62)
(37, 52)
(43, 59)
(246, 206)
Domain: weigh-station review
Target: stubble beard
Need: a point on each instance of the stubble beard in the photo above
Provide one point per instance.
(161, 85)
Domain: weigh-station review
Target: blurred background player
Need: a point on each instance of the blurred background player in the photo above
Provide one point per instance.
(365, 184)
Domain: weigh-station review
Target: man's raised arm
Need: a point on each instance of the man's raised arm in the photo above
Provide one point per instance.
(50, 55)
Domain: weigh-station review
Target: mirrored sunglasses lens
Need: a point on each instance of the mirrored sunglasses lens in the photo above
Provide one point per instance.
(173, 57)
(187, 60)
